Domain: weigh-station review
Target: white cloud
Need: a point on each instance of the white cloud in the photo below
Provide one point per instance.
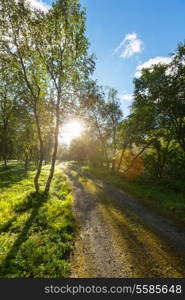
(129, 45)
(127, 97)
(152, 61)
(39, 5)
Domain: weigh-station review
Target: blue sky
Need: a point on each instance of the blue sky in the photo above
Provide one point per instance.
(147, 29)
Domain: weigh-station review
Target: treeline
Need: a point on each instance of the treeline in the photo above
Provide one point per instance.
(151, 140)
(44, 61)
(45, 78)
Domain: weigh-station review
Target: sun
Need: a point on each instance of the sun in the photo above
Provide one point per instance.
(70, 131)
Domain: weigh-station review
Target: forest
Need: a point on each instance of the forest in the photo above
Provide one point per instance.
(46, 81)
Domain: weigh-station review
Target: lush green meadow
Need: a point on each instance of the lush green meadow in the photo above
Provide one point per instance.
(36, 231)
(163, 195)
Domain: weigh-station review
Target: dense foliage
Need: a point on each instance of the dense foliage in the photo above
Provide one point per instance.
(150, 141)
(43, 57)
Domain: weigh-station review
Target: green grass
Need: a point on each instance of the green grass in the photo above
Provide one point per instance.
(161, 196)
(36, 232)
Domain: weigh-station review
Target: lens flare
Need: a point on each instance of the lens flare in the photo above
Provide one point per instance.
(70, 131)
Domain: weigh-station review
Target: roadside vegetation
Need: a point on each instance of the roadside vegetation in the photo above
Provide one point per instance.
(167, 199)
(36, 229)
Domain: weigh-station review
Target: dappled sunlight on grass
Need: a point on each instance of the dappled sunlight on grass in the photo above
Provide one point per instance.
(36, 230)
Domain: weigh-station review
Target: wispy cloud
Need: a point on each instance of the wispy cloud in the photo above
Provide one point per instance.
(129, 45)
(152, 61)
(127, 97)
(39, 4)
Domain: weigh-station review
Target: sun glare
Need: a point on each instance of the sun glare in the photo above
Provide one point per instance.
(70, 131)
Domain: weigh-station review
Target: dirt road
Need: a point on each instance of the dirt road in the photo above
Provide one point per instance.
(117, 236)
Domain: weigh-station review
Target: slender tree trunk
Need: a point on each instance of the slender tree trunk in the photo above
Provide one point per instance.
(41, 152)
(52, 169)
(5, 144)
(107, 159)
(114, 149)
(5, 163)
(158, 164)
(163, 162)
(121, 158)
(113, 164)
(102, 142)
(26, 162)
(36, 100)
(114, 141)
